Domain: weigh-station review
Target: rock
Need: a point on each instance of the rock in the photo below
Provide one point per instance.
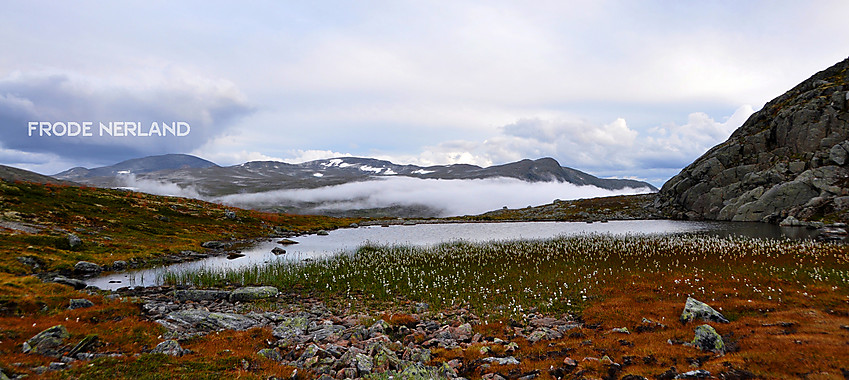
(271, 354)
(76, 284)
(385, 358)
(694, 309)
(790, 221)
(252, 293)
(214, 244)
(290, 328)
(84, 345)
(74, 241)
(196, 295)
(620, 330)
(741, 374)
(87, 268)
(169, 347)
(278, 251)
(501, 361)
(422, 307)
(707, 339)
(229, 214)
(322, 233)
(697, 374)
(202, 320)
(363, 363)
(286, 242)
(79, 303)
(33, 262)
(119, 265)
(794, 149)
(48, 342)
(633, 377)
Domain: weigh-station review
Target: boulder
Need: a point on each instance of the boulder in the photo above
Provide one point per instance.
(48, 342)
(278, 251)
(169, 347)
(79, 303)
(252, 293)
(286, 242)
(695, 309)
(202, 320)
(74, 241)
(707, 339)
(119, 265)
(87, 268)
(76, 284)
(200, 295)
(271, 354)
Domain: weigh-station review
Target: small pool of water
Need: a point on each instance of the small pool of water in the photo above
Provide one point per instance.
(347, 240)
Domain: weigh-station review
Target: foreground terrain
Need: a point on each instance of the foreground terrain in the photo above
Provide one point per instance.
(584, 307)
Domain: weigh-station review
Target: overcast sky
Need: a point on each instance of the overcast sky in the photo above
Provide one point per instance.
(616, 88)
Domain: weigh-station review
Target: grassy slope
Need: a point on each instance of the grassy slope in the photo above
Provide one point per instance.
(113, 225)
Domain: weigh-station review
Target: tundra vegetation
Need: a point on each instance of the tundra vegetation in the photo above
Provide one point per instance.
(787, 302)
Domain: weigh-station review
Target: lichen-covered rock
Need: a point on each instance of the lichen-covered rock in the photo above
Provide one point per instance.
(796, 148)
(200, 295)
(252, 293)
(48, 342)
(74, 241)
(79, 303)
(695, 309)
(707, 339)
(169, 347)
(271, 354)
(202, 320)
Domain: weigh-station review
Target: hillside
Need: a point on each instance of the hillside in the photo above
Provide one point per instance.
(788, 159)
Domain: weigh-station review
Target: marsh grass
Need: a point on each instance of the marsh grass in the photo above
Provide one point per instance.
(552, 276)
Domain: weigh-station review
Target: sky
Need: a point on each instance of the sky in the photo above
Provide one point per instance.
(626, 89)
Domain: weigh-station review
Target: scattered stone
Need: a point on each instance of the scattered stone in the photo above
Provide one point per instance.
(84, 345)
(74, 241)
(694, 309)
(33, 262)
(251, 293)
(620, 330)
(48, 342)
(422, 307)
(286, 242)
(229, 214)
(707, 339)
(79, 303)
(671, 374)
(633, 377)
(278, 251)
(740, 374)
(87, 268)
(322, 233)
(205, 321)
(169, 347)
(214, 244)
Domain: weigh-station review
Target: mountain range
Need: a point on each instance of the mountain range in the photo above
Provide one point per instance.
(257, 176)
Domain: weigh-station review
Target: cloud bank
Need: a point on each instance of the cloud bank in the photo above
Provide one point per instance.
(451, 197)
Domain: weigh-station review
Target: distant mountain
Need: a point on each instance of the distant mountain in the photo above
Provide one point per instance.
(138, 166)
(257, 176)
(202, 178)
(8, 173)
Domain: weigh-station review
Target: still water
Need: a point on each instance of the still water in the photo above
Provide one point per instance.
(347, 240)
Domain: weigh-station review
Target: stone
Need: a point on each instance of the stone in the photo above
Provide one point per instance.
(696, 374)
(119, 265)
(87, 268)
(214, 244)
(84, 345)
(33, 262)
(196, 295)
(169, 347)
(278, 251)
(271, 354)
(363, 363)
(791, 221)
(76, 284)
(229, 214)
(79, 303)
(501, 361)
(695, 309)
(48, 342)
(202, 320)
(322, 233)
(620, 330)
(74, 241)
(290, 328)
(252, 293)
(707, 339)
(286, 242)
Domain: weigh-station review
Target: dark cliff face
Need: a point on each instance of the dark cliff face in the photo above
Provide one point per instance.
(788, 159)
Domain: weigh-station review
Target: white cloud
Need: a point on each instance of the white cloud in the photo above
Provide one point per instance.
(452, 197)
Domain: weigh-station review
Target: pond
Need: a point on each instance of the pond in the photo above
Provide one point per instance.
(347, 240)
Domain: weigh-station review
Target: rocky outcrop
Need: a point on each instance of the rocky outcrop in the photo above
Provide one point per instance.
(788, 159)
(695, 309)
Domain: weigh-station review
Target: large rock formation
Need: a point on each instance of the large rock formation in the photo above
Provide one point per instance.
(788, 159)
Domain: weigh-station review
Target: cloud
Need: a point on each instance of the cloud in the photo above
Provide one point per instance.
(451, 197)
(130, 182)
(209, 106)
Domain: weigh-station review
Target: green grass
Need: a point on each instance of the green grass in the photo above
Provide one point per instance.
(558, 275)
